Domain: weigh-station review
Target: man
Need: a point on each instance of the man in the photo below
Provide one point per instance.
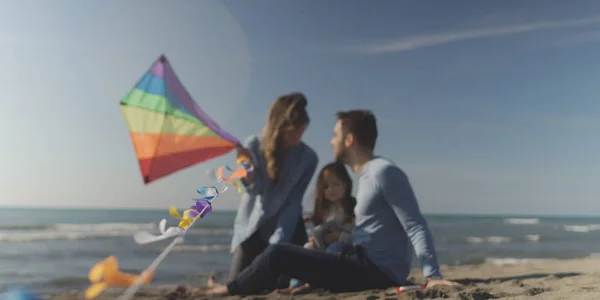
(389, 225)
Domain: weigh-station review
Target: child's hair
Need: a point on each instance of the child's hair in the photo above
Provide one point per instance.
(321, 204)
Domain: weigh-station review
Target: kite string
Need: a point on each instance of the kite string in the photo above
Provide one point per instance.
(131, 290)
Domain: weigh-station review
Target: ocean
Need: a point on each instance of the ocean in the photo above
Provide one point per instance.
(53, 250)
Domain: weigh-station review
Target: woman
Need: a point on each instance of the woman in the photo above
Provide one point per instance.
(270, 210)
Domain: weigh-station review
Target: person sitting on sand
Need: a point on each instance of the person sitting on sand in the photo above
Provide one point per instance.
(334, 208)
(389, 229)
(333, 215)
(270, 210)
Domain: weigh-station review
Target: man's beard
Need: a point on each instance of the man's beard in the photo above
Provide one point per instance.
(341, 155)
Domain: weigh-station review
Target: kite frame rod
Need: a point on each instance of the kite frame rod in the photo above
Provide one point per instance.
(131, 290)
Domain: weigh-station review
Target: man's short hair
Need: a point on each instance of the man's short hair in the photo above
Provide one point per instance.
(362, 124)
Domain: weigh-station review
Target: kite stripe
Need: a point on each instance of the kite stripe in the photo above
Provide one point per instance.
(175, 86)
(140, 99)
(148, 146)
(153, 85)
(146, 121)
(158, 68)
(157, 167)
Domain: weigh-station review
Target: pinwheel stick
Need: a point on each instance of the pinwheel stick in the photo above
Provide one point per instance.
(130, 291)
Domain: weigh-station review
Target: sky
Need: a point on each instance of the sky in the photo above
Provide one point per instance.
(489, 107)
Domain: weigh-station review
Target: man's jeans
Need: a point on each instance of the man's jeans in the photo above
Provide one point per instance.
(337, 272)
(333, 247)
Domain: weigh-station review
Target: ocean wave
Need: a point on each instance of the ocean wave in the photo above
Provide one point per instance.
(488, 239)
(501, 239)
(511, 261)
(25, 227)
(104, 227)
(16, 234)
(582, 228)
(532, 237)
(522, 221)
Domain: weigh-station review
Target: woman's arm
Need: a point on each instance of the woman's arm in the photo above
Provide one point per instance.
(288, 217)
(254, 184)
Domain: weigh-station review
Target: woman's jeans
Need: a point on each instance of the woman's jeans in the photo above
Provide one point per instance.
(255, 245)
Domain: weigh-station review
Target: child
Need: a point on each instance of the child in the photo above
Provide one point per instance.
(333, 215)
(334, 207)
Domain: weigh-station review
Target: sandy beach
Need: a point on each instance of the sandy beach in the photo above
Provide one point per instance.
(574, 279)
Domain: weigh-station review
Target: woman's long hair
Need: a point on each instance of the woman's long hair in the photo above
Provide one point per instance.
(322, 205)
(287, 113)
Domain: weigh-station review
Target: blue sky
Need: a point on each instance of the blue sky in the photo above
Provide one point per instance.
(489, 107)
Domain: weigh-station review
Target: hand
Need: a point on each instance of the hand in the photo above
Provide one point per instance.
(314, 243)
(307, 218)
(243, 152)
(439, 282)
(331, 236)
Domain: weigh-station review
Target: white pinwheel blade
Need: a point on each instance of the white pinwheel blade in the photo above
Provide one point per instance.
(162, 225)
(225, 187)
(145, 237)
(211, 192)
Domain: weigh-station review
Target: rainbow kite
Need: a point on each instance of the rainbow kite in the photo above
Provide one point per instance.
(168, 129)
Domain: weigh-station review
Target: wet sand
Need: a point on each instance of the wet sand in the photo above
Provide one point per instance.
(576, 279)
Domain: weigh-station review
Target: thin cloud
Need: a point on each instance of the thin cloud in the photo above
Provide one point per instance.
(417, 42)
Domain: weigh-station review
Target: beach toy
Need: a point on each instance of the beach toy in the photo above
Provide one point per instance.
(106, 274)
(18, 294)
(167, 128)
(142, 279)
(169, 132)
(185, 217)
(203, 205)
(210, 192)
(187, 221)
(145, 237)
(225, 174)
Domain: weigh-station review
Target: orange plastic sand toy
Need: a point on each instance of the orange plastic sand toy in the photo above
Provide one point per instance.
(106, 274)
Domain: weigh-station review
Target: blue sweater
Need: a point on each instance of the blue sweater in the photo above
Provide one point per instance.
(274, 209)
(389, 223)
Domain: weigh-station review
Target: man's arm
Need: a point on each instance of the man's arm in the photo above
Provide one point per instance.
(398, 193)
